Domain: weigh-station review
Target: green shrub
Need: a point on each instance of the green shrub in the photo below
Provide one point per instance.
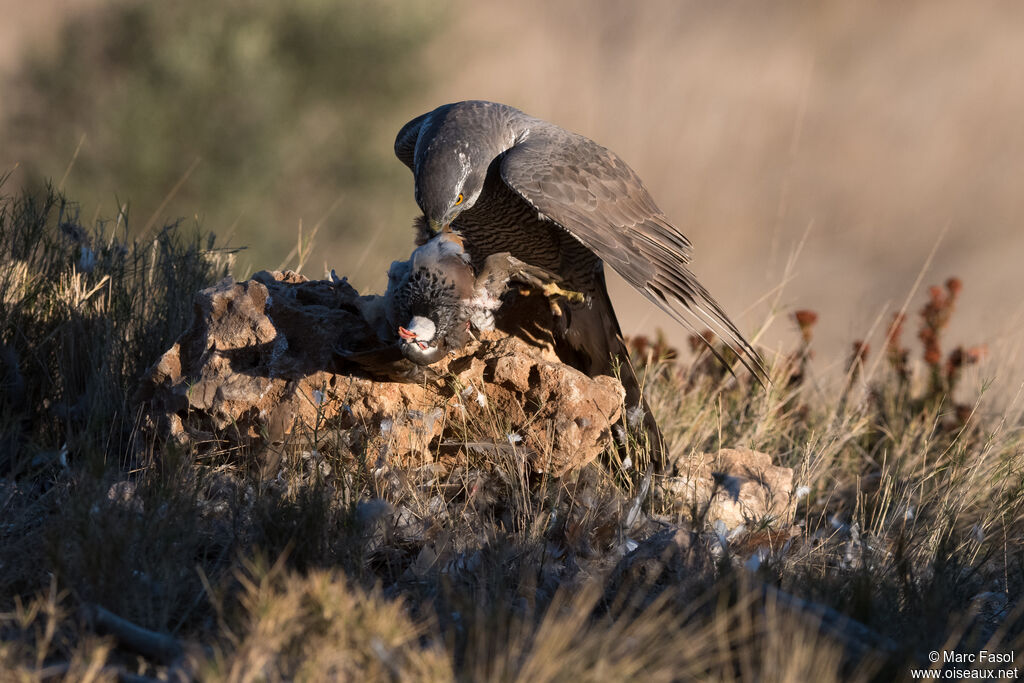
(271, 112)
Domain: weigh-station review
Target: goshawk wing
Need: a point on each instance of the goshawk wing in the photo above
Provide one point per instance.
(589, 191)
(405, 141)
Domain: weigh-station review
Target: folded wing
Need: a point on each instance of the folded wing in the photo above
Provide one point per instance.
(589, 191)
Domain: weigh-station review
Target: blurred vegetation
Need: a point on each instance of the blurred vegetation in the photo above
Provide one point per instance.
(241, 113)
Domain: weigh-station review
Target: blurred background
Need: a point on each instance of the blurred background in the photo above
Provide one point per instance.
(816, 153)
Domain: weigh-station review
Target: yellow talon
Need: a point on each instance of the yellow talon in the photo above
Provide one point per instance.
(552, 290)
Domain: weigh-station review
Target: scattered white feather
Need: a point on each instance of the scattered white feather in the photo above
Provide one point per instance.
(635, 416)
(620, 434)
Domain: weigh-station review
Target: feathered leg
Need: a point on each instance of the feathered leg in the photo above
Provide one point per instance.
(593, 333)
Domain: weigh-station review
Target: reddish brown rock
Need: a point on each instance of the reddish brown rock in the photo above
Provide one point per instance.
(734, 486)
(276, 358)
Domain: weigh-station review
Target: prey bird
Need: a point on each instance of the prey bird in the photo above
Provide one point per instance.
(509, 182)
(436, 298)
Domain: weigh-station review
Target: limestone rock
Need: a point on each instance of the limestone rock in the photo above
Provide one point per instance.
(276, 358)
(734, 486)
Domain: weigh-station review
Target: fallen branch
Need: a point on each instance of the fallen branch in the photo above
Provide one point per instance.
(855, 636)
(159, 647)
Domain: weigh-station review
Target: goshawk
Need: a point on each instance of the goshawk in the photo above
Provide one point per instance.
(509, 182)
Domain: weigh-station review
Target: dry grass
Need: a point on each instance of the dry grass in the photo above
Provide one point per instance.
(320, 560)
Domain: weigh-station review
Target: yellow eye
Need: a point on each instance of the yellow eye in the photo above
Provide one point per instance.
(459, 200)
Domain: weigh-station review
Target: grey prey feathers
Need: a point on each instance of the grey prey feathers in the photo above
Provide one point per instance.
(435, 299)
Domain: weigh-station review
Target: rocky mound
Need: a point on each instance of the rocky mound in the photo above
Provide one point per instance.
(280, 362)
(273, 360)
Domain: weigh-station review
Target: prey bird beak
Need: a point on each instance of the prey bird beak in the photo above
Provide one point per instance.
(410, 336)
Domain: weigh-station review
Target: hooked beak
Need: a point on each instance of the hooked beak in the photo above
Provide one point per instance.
(437, 227)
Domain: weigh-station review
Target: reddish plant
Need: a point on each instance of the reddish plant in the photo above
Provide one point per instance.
(897, 354)
(958, 359)
(698, 341)
(858, 357)
(806, 320)
(935, 317)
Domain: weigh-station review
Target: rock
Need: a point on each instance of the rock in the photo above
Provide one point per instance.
(260, 364)
(735, 487)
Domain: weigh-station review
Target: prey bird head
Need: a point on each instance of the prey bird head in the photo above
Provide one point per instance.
(419, 342)
(426, 298)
